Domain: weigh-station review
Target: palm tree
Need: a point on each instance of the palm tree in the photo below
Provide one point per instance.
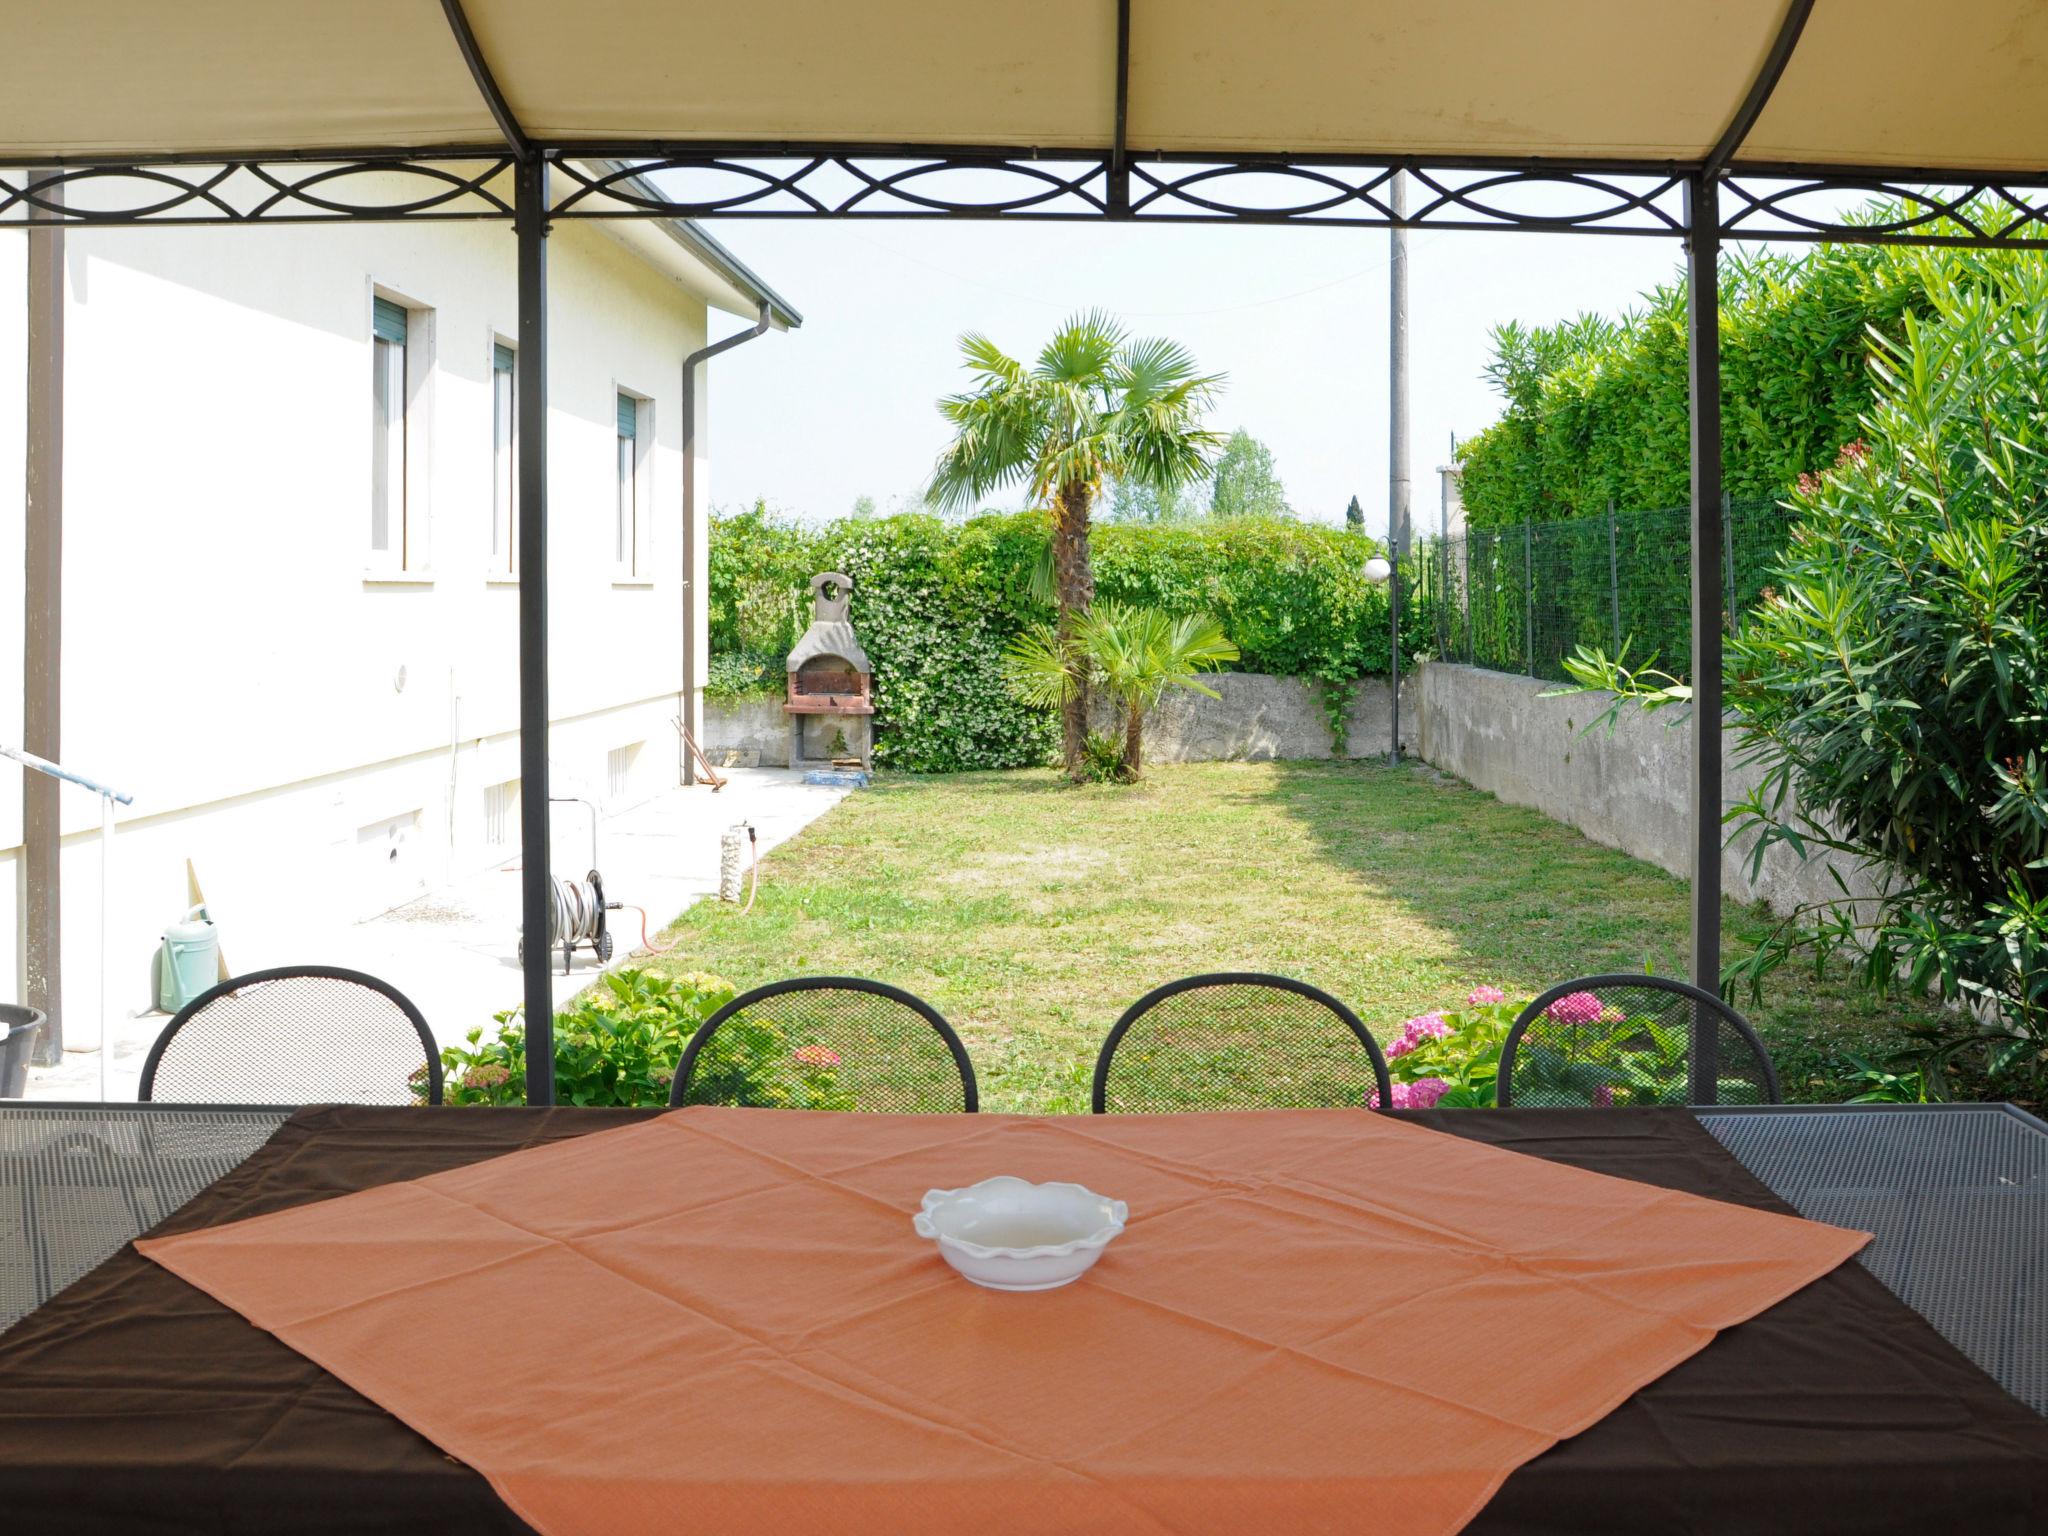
(1095, 406)
(1134, 653)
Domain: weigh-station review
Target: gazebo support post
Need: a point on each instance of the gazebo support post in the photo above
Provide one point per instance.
(530, 180)
(42, 641)
(1703, 354)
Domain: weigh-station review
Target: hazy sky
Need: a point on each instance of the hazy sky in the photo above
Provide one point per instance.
(1296, 317)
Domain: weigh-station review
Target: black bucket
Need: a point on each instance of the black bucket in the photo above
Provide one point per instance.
(19, 1027)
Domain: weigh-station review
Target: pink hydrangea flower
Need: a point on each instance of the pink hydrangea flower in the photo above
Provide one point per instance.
(1428, 1026)
(1482, 996)
(1420, 1094)
(1603, 1097)
(816, 1056)
(1424, 1092)
(1576, 1008)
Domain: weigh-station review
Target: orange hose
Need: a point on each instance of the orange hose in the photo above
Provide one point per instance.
(645, 942)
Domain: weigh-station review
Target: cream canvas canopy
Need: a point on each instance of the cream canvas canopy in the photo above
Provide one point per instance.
(1704, 119)
(1901, 85)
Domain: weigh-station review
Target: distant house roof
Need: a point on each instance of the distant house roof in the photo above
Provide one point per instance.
(744, 291)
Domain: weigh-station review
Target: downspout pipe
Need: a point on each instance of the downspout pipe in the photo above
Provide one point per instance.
(688, 699)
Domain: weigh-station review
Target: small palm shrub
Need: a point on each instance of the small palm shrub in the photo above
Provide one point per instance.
(1133, 654)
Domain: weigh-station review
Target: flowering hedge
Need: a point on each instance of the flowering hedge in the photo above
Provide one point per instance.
(936, 603)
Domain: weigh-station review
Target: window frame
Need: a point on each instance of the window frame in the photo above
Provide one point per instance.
(632, 488)
(401, 340)
(504, 552)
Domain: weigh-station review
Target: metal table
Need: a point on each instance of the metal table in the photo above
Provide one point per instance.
(77, 1181)
(1957, 1196)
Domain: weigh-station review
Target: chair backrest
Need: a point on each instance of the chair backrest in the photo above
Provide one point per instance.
(828, 1042)
(1238, 1040)
(1620, 1040)
(299, 1034)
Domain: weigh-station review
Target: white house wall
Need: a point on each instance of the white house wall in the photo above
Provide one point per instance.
(318, 739)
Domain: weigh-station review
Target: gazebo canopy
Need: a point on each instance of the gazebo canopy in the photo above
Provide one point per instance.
(1888, 85)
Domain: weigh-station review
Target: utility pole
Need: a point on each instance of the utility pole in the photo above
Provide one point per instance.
(1397, 434)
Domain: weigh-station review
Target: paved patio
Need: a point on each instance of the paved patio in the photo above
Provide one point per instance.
(452, 950)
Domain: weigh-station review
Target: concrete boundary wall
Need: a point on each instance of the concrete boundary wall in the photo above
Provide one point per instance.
(1627, 788)
(1258, 718)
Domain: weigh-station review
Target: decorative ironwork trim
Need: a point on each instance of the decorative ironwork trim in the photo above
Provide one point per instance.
(246, 191)
(1981, 213)
(1450, 197)
(1056, 185)
(1758, 201)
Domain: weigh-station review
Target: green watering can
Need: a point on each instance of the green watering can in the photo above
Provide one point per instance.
(189, 961)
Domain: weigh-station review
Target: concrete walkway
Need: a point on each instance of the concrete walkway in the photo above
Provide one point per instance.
(452, 950)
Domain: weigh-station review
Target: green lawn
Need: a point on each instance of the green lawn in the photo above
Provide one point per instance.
(1030, 913)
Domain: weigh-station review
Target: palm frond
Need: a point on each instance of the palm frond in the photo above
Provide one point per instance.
(990, 361)
(1154, 366)
(996, 432)
(1041, 582)
(1083, 351)
(1041, 668)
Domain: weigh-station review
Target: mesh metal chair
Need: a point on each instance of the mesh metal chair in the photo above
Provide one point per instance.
(828, 1042)
(299, 1034)
(1623, 1040)
(1238, 1040)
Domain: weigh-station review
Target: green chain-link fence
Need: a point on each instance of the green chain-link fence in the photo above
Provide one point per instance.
(1522, 598)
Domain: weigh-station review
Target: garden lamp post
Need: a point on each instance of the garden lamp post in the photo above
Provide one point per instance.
(1382, 572)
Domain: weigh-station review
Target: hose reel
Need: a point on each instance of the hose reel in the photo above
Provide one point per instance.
(576, 919)
(577, 908)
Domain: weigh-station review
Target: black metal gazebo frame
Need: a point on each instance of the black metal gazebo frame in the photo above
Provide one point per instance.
(1717, 198)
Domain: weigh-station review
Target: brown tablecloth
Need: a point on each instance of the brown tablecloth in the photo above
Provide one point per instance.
(135, 1402)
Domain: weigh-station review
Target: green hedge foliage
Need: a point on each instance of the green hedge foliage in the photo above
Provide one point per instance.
(1596, 409)
(935, 603)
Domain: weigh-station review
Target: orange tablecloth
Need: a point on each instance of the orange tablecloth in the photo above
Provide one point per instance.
(720, 1320)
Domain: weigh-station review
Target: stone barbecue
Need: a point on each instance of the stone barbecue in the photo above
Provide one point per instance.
(831, 683)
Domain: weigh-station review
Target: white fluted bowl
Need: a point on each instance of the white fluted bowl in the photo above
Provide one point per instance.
(1012, 1235)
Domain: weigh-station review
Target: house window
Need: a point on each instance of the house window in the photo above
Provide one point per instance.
(501, 814)
(387, 461)
(629, 523)
(504, 463)
(400, 351)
